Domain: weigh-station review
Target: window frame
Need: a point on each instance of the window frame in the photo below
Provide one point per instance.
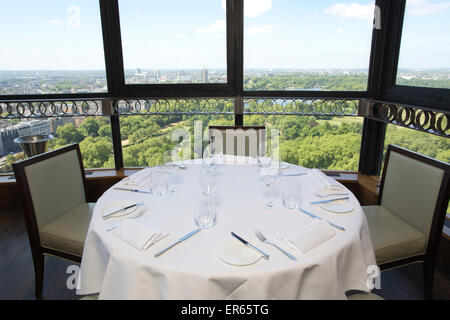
(436, 98)
(114, 49)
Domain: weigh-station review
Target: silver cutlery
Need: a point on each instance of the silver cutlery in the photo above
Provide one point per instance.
(262, 238)
(319, 218)
(137, 215)
(293, 174)
(333, 195)
(133, 190)
(177, 242)
(329, 200)
(122, 209)
(265, 255)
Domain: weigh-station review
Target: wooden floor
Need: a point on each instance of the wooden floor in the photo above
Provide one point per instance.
(17, 275)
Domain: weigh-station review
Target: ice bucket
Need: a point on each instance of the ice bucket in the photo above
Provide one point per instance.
(34, 145)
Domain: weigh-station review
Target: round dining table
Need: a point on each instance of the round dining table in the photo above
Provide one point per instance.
(192, 270)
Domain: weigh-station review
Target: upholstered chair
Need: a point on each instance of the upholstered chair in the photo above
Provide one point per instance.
(238, 140)
(406, 225)
(53, 191)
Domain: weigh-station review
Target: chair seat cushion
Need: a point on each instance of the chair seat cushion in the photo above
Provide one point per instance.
(68, 232)
(359, 295)
(392, 238)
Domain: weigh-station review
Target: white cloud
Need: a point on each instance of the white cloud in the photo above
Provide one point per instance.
(253, 8)
(55, 21)
(340, 31)
(251, 31)
(219, 25)
(352, 10)
(424, 7)
(182, 36)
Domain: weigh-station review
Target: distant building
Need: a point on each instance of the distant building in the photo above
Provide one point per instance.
(205, 78)
(157, 75)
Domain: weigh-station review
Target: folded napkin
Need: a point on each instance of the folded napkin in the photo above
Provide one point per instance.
(139, 179)
(309, 237)
(137, 235)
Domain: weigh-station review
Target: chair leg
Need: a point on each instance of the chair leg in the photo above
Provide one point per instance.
(38, 261)
(428, 279)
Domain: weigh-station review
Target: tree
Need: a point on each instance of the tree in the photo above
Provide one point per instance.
(68, 134)
(90, 127)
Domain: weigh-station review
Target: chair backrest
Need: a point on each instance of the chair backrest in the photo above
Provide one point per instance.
(51, 185)
(238, 140)
(416, 189)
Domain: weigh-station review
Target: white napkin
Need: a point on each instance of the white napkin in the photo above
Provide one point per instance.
(139, 179)
(137, 235)
(309, 237)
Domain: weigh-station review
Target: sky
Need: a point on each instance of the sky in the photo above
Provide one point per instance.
(180, 34)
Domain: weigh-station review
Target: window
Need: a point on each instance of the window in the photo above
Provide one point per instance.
(424, 143)
(307, 45)
(92, 133)
(174, 41)
(316, 142)
(145, 139)
(425, 47)
(51, 47)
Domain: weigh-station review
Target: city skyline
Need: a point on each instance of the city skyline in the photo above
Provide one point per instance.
(277, 35)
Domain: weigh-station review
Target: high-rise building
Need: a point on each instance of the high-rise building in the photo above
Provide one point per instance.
(157, 75)
(205, 78)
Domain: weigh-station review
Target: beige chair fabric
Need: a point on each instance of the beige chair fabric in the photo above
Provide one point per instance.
(400, 226)
(56, 187)
(59, 201)
(68, 233)
(238, 142)
(392, 238)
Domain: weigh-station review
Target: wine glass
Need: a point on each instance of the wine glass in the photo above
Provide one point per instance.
(270, 176)
(170, 168)
(207, 180)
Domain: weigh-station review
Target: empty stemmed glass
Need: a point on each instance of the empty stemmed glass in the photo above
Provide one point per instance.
(170, 168)
(270, 175)
(207, 180)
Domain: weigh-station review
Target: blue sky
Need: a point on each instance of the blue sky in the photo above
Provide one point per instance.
(181, 34)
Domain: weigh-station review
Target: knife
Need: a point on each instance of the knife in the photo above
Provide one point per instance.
(177, 242)
(319, 218)
(133, 190)
(122, 209)
(329, 200)
(266, 256)
(293, 174)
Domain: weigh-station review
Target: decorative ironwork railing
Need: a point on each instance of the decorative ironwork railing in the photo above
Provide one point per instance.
(301, 106)
(49, 109)
(413, 117)
(191, 106)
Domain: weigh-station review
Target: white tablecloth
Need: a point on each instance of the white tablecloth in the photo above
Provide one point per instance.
(192, 269)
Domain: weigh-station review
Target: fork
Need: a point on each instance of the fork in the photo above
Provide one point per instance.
(139, 214)
(262, 238)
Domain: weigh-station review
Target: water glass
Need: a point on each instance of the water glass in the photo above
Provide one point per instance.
(205, 215)
(291, 192)
(158, 181)
(207, 180)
